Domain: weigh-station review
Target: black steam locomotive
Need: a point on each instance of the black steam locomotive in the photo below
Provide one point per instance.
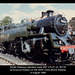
(43, 36)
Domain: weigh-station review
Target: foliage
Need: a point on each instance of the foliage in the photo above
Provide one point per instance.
(72, 23)
(6, 20)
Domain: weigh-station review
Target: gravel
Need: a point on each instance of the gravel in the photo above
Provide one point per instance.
(15, 60)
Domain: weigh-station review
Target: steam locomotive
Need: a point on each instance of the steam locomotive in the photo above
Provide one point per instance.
(40, 36)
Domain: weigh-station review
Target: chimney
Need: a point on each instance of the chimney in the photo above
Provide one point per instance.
(49, 13)
(43, 14)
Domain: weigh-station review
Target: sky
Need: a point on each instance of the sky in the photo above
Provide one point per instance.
(19, 11)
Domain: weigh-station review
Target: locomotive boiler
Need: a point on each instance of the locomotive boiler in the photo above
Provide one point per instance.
(40, 36)
(54, 24)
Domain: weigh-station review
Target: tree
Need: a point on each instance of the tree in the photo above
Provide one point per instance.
(72, 23)
(6, 20)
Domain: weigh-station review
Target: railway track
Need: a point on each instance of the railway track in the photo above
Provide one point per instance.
(12, 60)
(72, 63)
(15, 60)
(8, 62)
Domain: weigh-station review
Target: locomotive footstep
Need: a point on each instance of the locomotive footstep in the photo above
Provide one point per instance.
(23, 58)
(16, 57)
(11, 55)
(0, 49)
(6, 54)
